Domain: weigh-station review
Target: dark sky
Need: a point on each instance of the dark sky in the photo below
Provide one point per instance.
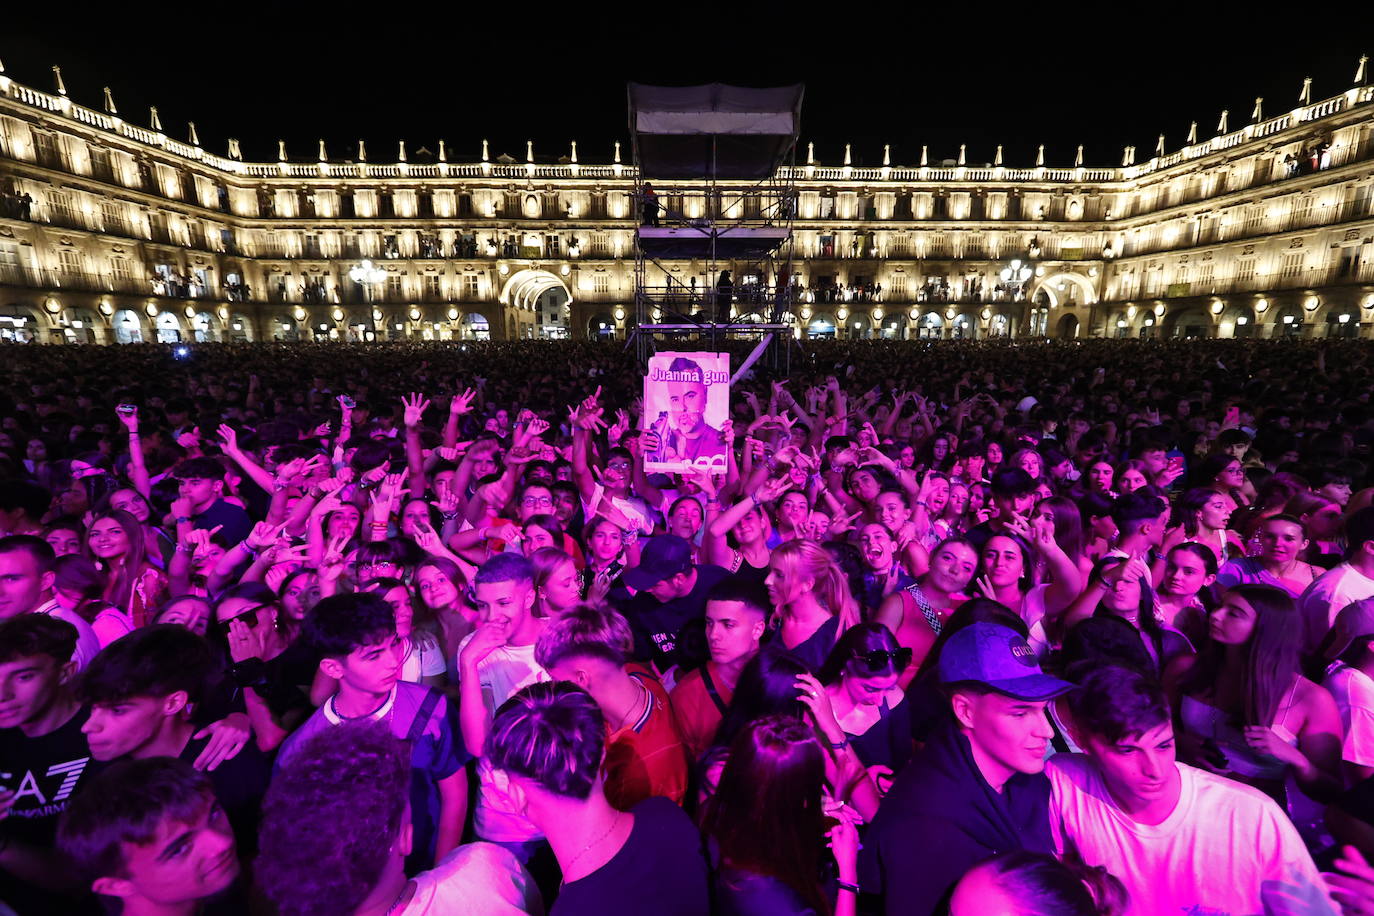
(980, 75)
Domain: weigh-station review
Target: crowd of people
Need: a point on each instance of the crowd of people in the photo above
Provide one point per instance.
(989, 629)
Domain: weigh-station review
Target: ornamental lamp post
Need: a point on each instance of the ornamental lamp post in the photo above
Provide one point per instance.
(368, 275)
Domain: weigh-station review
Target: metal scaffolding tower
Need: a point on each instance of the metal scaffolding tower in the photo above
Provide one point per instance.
(711, 188)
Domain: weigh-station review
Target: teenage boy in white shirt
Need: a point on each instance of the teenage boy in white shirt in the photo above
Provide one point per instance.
(1181, 839)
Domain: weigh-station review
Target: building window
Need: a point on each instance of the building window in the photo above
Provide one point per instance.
(433, 285)
(1292, 264)
(121, 269)
(601, 283)
(69, 261)
(1245, 270)
(393, 286)
(470, 286)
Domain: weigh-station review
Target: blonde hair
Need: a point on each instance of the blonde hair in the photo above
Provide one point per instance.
(806, 559)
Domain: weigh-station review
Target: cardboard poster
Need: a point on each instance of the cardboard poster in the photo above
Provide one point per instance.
(686, 402)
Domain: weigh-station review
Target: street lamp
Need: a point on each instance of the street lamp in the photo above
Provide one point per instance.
(367, 275)
(1014, 277)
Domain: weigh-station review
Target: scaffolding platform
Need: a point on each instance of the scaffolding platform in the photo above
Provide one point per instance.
(728, 243)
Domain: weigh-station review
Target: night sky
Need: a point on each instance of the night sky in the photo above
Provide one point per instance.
(982, 77)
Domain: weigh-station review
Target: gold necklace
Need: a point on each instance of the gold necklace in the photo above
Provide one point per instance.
(588, 848)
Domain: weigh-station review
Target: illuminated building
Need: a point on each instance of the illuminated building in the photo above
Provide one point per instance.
(113, 231)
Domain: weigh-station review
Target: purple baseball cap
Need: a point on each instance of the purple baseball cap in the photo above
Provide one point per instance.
(663, 556)
(999, 658)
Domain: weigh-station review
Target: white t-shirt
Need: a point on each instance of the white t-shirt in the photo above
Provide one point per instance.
(1223, 845)
(502, 673)
(477, 879)
(423, 658)
(1353, 691)
(1327, 596)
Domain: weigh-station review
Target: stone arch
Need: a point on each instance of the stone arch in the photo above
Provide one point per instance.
(1049, 285)
(1193, 320)
(1067, 326)
(524, 287)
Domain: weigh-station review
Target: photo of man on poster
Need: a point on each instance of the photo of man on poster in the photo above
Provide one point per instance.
(683, 392)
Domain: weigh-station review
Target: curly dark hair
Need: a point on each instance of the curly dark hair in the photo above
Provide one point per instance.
(330, 819)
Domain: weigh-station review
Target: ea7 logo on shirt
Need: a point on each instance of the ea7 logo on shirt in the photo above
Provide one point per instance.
(66, 774)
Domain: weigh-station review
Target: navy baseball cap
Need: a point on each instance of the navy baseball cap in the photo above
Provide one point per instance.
(663, 556)
(999, 658)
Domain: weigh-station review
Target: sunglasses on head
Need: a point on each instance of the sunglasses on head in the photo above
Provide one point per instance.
(879, 659)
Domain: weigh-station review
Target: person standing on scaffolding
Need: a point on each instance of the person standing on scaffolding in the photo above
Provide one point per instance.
(725, 295)
(649, 207)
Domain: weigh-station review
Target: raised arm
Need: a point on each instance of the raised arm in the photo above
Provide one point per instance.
(414, 409)
(138, 470)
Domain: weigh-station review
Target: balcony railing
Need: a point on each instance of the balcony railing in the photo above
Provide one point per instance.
(56, 280)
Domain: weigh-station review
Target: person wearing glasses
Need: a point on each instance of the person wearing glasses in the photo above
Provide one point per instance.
(860, 677)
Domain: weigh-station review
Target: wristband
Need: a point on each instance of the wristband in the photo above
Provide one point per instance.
(182, 519)
(844, 886)
(448, 516)
(838, 746)
(243, 545)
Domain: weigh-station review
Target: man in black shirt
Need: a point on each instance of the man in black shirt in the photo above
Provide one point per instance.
(978, 787)
(44, 761)
(546, 746)
(201, 503)
(142, 689)
(671, 594)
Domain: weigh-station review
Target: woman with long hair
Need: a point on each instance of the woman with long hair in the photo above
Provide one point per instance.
(918, 613)
(422, 659)
(160, 544)
(1007, 575)
(1246, 710)
(1203, 515)
(861, 682)
(1223, 471)
(1120, 587)
(1065, 520)
(1282, 542)
(767, 819)
(737, 538)
(1130, 476)
(114, 540)
(812, 602)
(1185, 596)
(79, 586)
(1323, 517)
(557, 586)
(606, 558)
(440, 586)
(953, 520)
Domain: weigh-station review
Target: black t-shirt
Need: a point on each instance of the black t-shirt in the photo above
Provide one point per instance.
(239, 783)
(660, 871)
(233, 521)
(656, 624)
(44, 771)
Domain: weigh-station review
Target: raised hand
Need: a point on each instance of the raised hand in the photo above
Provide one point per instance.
(263, 535)
(446, 498)
(130, 419)
(415, 406)
(461, 404)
